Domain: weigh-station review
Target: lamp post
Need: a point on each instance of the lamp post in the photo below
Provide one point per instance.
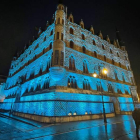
(104, 71)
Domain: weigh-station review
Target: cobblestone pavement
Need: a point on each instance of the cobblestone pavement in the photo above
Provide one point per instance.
(121, 127)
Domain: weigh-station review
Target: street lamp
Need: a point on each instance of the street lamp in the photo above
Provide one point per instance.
(105, 71)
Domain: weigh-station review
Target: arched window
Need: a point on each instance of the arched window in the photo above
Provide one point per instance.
(123, 77)
(57, 37)
(63, 21)
(125, 57)
(83, 37)
(46, 83)
(103, 47)
(72, 63)
(51, 32)
(31, 75)
(111, 51)
(110, 88)
(113, 62)
(71, 31)
(72, 83)
(116, 75)
(84, 49)
(99, 87)
(40, 71)
(118, 54)
(50, 47)
(95, 54)
(120, 64)
(62, 36)
(85, 69)
(71, 44)
(48, 65)
(94, 43)
(86, 84)
(45, 38)
(104, 58)
(58, 21)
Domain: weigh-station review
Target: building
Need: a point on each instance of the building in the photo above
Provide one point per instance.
(68, 73)
(2, 86)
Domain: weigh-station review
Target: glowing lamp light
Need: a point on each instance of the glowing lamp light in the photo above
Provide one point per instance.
(95, 75)
(105, 71)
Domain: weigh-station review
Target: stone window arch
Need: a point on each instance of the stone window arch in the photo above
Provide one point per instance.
(85, 68)
(104, 58)
(94, 43)
(71, 31)
(112, 62)
(72, 63)
(84, 49)
(72, 82)
(86, 84)
(71, 44)
(103, 47)
(83, 37)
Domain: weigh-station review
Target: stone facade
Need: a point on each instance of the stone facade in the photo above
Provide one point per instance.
(53, 77)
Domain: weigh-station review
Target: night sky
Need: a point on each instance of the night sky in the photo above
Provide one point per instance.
(18, 20)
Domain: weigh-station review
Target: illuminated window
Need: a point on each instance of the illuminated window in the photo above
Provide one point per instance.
(74, 113)
(72, 63)
(72, 83)
(71, 31)
(71, 44)
(86, 113)
(110, 88)
(70, 114)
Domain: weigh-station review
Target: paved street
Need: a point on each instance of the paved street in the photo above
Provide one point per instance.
(118, 128)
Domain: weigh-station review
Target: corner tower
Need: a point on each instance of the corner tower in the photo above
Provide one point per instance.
(57, 69)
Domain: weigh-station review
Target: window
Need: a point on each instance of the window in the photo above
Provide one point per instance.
(95, 54)
(85, 69)
(40, 71)
(83, 37)
(118, 54)
(110, 88)
(57, 37)
(51, 32)
(63, 21)
(46, 83)
(113, 62)
(62, 59)
(120, 64)
(116, 75)
(50, 47)
(123, 77)
(62, 36)
(111, 51)
(56, 57)
(58, 21)
(86, 84)
(119, 91)
(94, 42)
(72, 82)
(84, 49)
(72, 63)
(36, 46)
(45, 38)
(99, 86)
(104, 58)
(103, 47)
(71, 31)
(71, 44)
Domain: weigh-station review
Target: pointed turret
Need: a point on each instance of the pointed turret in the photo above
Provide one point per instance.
(100, 35)
(92, 29)
(82, 23)
(107, 39)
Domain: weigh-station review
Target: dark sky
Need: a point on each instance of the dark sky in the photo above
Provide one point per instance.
(18, 20)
